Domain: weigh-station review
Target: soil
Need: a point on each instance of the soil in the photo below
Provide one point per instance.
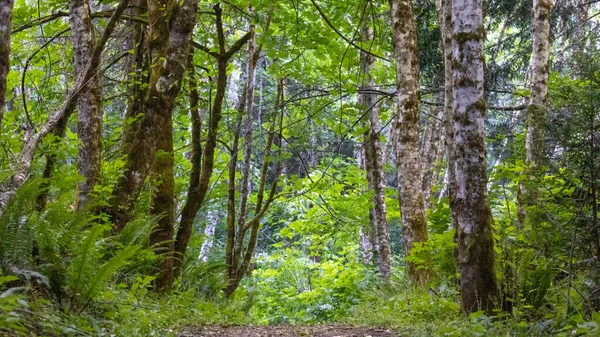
(284, 331)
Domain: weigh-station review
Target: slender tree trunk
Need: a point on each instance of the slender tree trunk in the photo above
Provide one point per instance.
(245, 188)
(444, 11)
(193, 203)
(367, 232)
(431, 153)
(237, 257)
(209, 233)
(378, 230)
(538, 104)
(479, 288)
(407, 127)
(222, 56)
(89, 104)
(6, 10)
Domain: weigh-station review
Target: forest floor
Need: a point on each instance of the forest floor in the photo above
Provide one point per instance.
(284, 331)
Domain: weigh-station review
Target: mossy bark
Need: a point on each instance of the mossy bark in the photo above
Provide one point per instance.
(414, 224)
(537, 108)
(89, 104)
(6, 10)
(478, 284)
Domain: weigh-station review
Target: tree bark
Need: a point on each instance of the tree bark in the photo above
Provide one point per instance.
(378, 231)
(193, 203)
(6, 10)
(478, 284)
(538, 105)
(89, 105)
(444, 11)
(431, 153)
(408, 162)
(170, 32)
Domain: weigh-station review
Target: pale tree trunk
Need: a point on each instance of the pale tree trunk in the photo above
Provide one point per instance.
(209, 233)
(414, 225)
(431, 153)
(89, 105)
(367, 233)
(538, 105)
(478, 285)
(444, 11)
(6, 9)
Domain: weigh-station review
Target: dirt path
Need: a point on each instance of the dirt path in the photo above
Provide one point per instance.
(284, 331)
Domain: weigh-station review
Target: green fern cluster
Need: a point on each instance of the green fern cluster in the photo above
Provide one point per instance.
(72, 249)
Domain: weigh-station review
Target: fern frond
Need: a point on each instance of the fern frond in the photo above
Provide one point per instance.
(106, 271)
(85, 259)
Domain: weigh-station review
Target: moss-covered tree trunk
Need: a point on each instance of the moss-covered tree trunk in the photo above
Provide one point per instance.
(170, 30)
(478, 285)
(89, 104)
(444, 13)
(538, 104)
(414, 225)
(6, 10)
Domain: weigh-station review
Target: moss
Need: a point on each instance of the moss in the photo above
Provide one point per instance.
(463, 37)
(465, 81)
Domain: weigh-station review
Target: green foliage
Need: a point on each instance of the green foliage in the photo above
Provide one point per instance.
(289, 287)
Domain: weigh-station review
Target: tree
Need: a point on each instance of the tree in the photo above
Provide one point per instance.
(538, 102)
(414, 225)
(89, 107)
(196, 198)
(6, 9)
(373, 155)
(478, 285)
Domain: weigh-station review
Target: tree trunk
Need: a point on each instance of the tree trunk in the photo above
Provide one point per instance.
(444, 11)
(538, 104)
(479, 288)
(223, 57)
(248, 112)
(168, 43)
(238, 259)
(6, 9)
(89, 105)
(378, 230)
(193, 203)
(431, 153)
(209, 233)
(407, 128)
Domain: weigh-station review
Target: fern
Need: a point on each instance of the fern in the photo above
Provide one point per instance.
(86, 258)
(106, 271)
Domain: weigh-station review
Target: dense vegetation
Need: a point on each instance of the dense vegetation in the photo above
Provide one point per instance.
(431, 166)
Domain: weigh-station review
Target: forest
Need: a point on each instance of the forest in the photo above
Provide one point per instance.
(299, 168)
